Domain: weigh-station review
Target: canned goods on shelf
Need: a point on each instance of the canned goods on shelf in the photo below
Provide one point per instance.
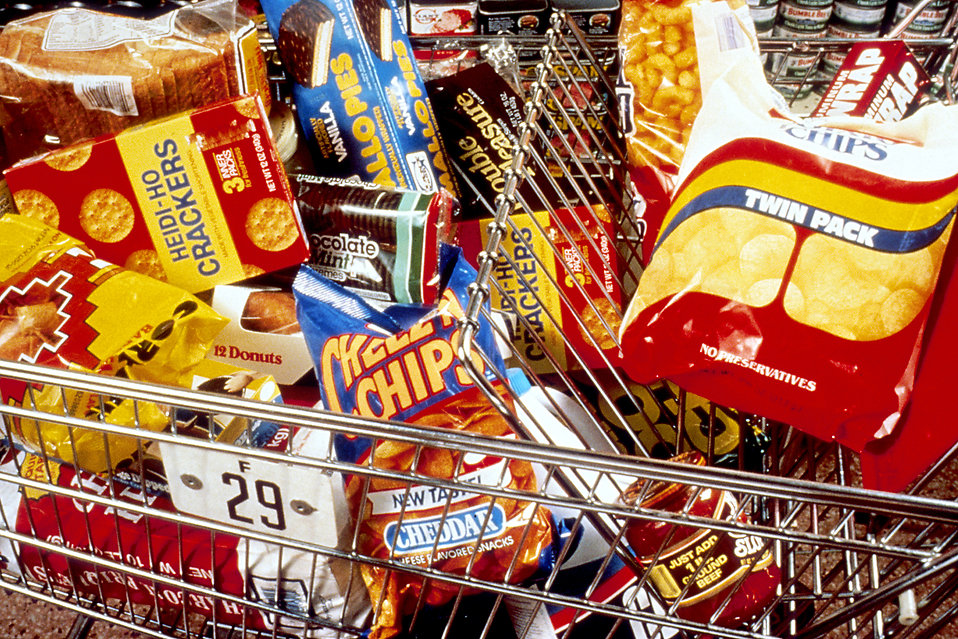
(793, 67)
(811, 3)
(858, 14)
(931, 19)
(764, 17)
(804, 20)
(429, 17)
(526, 17)
(594, 17)
(833, 59)
(821, 79)
(921, 54)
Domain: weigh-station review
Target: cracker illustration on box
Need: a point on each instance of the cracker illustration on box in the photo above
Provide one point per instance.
(271, 224)
(35, 204)
(106, 215)
(305, 37)
(197, 199)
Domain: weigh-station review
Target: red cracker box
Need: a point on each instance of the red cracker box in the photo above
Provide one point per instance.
(196, 199)
(560, 276)
(877, 80)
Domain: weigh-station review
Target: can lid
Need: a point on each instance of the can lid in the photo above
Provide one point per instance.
(282, 122)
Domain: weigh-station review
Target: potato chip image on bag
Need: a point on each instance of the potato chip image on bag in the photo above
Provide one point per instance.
(402, 364)
(795, 268)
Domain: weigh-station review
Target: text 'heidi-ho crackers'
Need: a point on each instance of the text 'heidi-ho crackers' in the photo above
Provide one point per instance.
(196, 199)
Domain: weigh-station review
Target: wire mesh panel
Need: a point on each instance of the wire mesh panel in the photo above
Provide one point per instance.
(135, 546)
(566, 345)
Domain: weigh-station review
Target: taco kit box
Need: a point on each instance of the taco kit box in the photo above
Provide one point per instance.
(196, 199)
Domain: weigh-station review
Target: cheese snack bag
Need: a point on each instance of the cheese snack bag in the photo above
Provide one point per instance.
(795, 267)
(402, 364)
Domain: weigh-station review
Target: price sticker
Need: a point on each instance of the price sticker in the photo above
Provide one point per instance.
(295, 501)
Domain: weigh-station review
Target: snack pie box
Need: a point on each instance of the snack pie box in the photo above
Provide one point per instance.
(877, 80)
(358, 93)
(196, 199)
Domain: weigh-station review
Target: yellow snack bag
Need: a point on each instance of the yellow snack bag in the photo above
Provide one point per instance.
(667, 49)
(62, 307)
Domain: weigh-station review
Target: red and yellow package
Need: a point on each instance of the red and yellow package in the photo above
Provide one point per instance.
(62, 307)
(794, 272)
(195, 199)
(559, 275)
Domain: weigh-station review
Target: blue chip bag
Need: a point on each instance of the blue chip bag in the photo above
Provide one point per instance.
(401, 363)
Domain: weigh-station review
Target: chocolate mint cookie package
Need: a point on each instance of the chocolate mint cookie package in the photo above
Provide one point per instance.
(382, 243)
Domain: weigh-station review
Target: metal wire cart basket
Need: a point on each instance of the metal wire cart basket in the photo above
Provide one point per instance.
(248, 536)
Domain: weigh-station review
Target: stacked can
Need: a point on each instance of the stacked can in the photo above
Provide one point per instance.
(855, 20)
(764, 14)
(796, 73)
(929, 22)
(859, 16)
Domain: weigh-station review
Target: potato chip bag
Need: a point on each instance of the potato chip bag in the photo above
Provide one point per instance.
(60, 306)
(794, 270)
(402, 364)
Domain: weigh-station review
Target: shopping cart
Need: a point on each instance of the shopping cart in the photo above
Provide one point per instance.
(239, 536)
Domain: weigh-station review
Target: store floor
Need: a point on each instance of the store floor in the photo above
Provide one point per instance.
(22, 617)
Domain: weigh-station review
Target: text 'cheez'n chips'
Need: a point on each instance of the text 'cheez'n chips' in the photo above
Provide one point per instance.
(402, 364)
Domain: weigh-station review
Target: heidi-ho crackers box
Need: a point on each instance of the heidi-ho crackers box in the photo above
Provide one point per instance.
(559, 280)
(195, 199)
(358, 93)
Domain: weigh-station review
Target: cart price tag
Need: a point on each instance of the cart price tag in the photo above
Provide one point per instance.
(272, 497)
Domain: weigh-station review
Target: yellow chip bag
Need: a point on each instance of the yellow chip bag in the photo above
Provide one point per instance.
(794, 270)
(62, 307)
